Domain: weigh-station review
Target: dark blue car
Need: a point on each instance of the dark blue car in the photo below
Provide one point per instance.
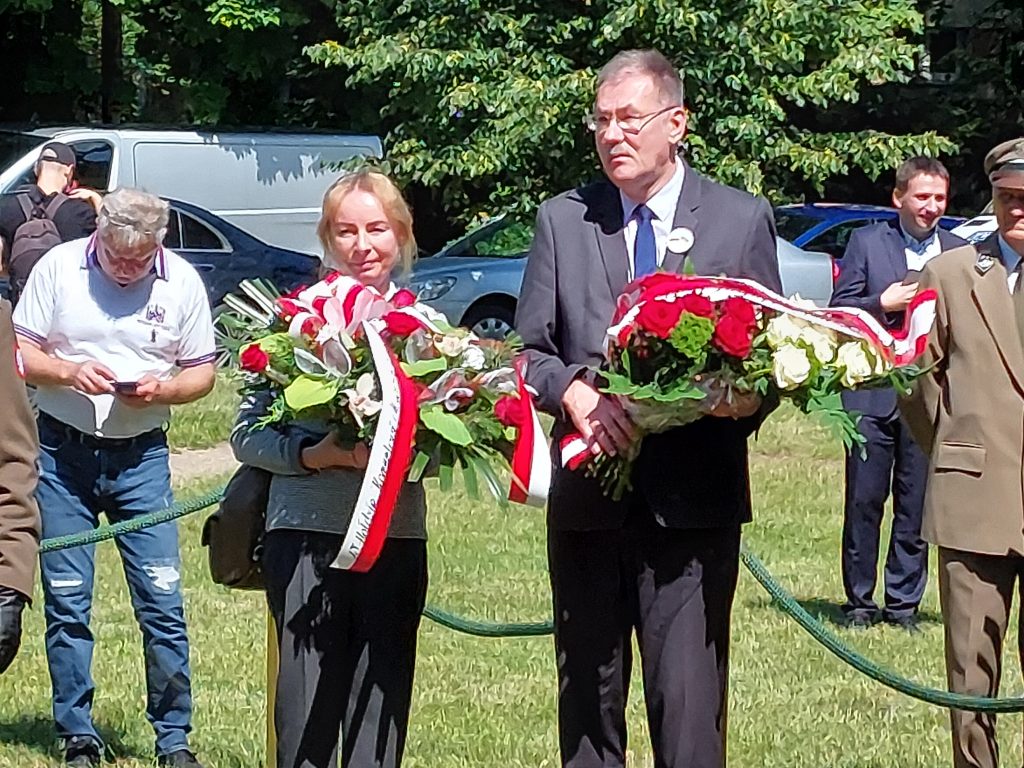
(224, 255)
(827, 226)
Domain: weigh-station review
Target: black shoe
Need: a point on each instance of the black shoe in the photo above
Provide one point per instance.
(909, 624)
(859, 621)
(81, 752)
(179, 758)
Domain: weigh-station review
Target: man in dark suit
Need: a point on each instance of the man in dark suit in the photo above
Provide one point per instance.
(663, 560)
(878, 276)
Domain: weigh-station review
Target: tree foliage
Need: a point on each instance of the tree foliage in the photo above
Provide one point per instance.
(483, 103)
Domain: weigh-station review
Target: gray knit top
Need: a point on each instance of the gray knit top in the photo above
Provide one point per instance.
(304, 500)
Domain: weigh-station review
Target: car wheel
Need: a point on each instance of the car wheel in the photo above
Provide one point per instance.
(229, 332)
(491, 319)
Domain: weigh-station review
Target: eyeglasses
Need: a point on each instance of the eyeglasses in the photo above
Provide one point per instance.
(630, 126)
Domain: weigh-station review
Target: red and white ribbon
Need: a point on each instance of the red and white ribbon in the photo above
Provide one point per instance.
(898, 347)
(531, 462)
(390, 453)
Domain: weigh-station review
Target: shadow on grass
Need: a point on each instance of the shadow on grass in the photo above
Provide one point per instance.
(36, 732)
(829, 612)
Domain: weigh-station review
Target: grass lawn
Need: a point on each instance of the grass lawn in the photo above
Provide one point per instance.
(485, 702)
(208, 421)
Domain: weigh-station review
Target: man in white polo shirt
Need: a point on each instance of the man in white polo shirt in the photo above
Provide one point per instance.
(114, 329)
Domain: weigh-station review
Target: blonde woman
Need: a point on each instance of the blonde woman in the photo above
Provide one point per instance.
(347, 641)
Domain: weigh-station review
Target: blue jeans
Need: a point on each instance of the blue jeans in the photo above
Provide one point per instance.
(80, 478)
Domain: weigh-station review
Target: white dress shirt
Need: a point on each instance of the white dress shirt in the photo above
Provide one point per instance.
(663, 205)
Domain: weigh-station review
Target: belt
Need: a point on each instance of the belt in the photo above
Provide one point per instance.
(73, 435)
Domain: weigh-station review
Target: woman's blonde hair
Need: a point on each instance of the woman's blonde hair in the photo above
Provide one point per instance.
(391, 200)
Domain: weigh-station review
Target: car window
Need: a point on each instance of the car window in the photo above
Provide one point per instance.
(833, 240)
(513, 240)
(173, 237)
(791, 225)
(93, 159)
(196, 236)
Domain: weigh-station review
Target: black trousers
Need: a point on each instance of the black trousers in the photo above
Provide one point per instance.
(347, 646)
(893, 460)
(675, 588)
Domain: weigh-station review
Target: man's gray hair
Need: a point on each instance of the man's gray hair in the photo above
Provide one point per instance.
(130, 217)
(646, 62)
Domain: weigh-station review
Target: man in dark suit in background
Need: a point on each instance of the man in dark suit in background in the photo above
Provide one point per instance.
(877, 276)
(664, 559)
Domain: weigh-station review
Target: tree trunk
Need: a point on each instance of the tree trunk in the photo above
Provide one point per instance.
(110, 58)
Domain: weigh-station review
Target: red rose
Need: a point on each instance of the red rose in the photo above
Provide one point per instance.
(740, 309)
(254, 359)
(659, 282)
(311, 326)
(659, 317)
(509, 411)
(401, 324)
(287, 309)
(733, 336)
(403, 298)
(698, 305)
(624, 334)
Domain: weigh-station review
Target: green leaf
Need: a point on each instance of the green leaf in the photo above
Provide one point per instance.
(306, 392)
(423, 367)
(445, 477)
(447, 425)
(418, 466)
(469, 478)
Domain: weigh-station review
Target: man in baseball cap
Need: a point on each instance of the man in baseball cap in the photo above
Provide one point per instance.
(59, 153)
(965, 412)
(42, 215)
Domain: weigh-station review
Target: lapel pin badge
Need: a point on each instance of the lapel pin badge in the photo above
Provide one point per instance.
(680, 240)
(984, 263)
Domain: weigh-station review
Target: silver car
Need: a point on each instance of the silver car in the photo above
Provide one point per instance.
(475, 280)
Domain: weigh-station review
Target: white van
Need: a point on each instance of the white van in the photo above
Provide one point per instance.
(269, 184)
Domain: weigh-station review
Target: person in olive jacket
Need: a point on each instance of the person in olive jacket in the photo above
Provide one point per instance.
(19, 515)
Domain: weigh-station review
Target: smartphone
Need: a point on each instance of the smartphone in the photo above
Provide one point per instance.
(126, 387)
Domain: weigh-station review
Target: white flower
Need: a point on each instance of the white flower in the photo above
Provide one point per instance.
(360, 400)
(857, 366)
(451, 345)
(783, 330)
(791, 367)
(801, 302)
(822, 342)
(474, 358)
(882, 366)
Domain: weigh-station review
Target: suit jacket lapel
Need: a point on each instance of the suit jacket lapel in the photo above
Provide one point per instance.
(610, 241)
(897, 252)
(995, 304)
(686, 210)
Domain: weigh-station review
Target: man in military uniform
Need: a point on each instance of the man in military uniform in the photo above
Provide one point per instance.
(967, 413)
(19, 516)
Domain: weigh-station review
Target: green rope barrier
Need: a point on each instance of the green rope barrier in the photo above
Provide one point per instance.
(453, 621)
(105, 532)
(486, 628)
(886, 677)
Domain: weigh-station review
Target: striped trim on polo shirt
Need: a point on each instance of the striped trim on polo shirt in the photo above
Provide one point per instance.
(31, 335)
(192, 362)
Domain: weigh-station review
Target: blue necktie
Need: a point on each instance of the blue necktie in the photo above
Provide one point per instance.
(645, 255)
